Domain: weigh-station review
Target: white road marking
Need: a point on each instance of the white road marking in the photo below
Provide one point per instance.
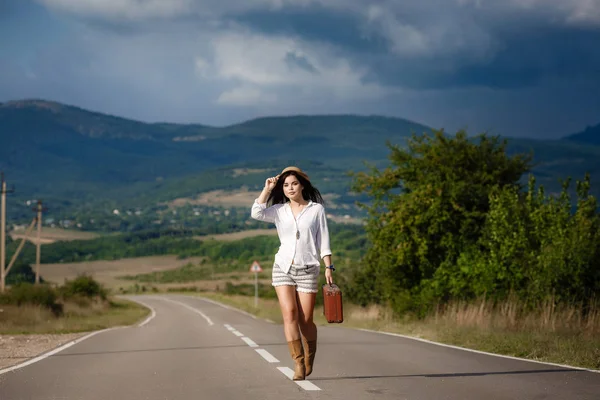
(249, 341)
(189, 308)
(306, 385)
(267, 356)
(479, 351)
(227, 307)
(150, 318)
(58, 349)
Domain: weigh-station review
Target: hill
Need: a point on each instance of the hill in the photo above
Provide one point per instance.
(74, 158)
(55, 149)
(590, 135)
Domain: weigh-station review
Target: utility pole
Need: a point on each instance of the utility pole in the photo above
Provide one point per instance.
(38, 252)
(4, 191)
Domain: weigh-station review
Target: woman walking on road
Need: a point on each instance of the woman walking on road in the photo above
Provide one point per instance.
(295, 206)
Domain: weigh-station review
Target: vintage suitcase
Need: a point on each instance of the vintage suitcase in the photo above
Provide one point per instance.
(332, 304)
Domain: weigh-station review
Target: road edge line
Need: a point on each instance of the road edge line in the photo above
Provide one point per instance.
(477, 351)
(55, 350)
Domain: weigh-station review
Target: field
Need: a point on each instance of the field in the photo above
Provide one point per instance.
(235, 198)
(238, 235)
(51, 235)
(106, 272)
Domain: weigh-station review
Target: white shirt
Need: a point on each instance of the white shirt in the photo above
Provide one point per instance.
(311, 225)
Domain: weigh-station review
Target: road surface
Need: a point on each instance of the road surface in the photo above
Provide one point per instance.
(191, 348)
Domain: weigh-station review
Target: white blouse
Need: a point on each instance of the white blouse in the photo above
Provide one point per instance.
(304, 239)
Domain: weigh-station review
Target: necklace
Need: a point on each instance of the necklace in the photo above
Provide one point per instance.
(300, 208)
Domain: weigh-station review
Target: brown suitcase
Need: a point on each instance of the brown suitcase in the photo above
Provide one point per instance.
(332, 304)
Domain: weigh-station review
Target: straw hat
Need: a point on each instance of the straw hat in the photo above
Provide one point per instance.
(297, 170)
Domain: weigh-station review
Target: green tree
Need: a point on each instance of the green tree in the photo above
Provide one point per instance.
(428, 207)
(21, 273)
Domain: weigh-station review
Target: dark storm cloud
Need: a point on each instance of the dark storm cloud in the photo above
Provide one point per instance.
(523, 67)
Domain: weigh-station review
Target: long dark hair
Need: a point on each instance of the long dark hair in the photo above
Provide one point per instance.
(309, 192)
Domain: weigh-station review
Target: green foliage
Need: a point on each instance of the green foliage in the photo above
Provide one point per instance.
(27, 293)
(21, 272)
(81, 290)
(428, 208)
(536, 247)
(84, 286)
(451, 220)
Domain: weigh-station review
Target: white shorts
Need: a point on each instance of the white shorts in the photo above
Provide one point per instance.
(304, 277)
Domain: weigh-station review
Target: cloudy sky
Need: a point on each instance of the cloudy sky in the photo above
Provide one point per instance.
(511, 67)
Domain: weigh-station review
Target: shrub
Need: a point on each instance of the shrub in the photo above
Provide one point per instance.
(27, 293)
(84, 286)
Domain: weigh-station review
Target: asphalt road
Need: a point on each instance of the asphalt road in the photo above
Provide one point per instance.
(195, 349)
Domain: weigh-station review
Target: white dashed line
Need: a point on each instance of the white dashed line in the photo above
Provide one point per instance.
(189, 308)
(267, 356)
(306, 385)
(249, 341)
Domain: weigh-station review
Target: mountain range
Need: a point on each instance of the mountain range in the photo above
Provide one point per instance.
(70, 154)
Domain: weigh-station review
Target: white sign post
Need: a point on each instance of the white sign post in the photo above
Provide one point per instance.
(256, 268)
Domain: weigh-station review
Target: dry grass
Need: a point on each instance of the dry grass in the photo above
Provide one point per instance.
(51, 235)
(231, 198)
(511, 316)
(107, 272)
(29, 319)
(238, 235)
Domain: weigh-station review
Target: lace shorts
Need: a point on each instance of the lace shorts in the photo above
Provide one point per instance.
(304, 277)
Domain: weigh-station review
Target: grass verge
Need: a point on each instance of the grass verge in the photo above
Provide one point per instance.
(36, 319)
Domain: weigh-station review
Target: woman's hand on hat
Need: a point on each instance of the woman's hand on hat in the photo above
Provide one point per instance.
(271, 182)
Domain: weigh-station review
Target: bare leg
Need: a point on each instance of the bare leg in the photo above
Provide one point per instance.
(306, 303)
(289, 311)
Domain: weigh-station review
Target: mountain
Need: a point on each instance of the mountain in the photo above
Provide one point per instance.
(52, 149)
(590, 135)
(75, 156)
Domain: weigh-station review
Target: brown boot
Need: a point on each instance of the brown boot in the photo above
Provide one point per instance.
(297, 353)
(310, 350)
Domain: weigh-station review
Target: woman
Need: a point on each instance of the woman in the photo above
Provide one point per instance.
(295, 206)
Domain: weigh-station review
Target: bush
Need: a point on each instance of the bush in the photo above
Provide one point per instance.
(27, 293)
(84, 286)
(21, 273)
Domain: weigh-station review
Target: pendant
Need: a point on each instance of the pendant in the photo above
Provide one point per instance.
(297, 234)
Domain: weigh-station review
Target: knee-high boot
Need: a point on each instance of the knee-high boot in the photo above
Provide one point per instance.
(310, 350)
(297, 353)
